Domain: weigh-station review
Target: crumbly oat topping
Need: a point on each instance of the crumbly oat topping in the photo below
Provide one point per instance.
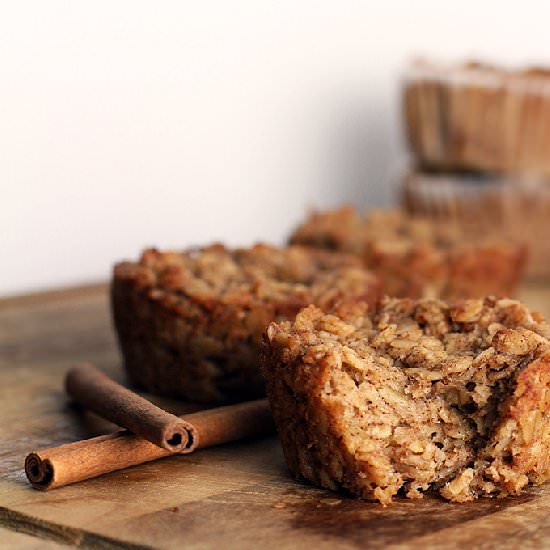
(415, 396)
(346, 229)
(258, 274)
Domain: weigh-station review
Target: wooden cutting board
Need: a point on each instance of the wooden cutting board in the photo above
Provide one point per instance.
(235, 496)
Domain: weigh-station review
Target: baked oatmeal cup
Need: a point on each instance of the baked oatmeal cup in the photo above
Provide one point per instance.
(416, 258)
(190, 323)
(414, 396)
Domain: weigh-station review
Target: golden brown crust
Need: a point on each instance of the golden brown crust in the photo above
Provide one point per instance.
(190, 323)
(413, 396)
(417, 258)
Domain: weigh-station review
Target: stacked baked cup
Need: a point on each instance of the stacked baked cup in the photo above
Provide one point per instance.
(479, 136)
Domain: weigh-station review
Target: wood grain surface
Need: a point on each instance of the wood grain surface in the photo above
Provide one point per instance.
(235, 496)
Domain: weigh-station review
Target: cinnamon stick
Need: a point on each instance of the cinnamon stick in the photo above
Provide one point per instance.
(91, 458)
(96, 391)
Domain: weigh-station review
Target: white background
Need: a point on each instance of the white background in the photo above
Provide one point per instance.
(127, 124)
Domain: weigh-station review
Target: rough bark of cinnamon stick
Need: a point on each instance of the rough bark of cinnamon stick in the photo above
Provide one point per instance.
(96, 391)
(91, 458)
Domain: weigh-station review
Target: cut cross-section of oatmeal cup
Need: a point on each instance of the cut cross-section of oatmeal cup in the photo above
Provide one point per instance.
(415, 396)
